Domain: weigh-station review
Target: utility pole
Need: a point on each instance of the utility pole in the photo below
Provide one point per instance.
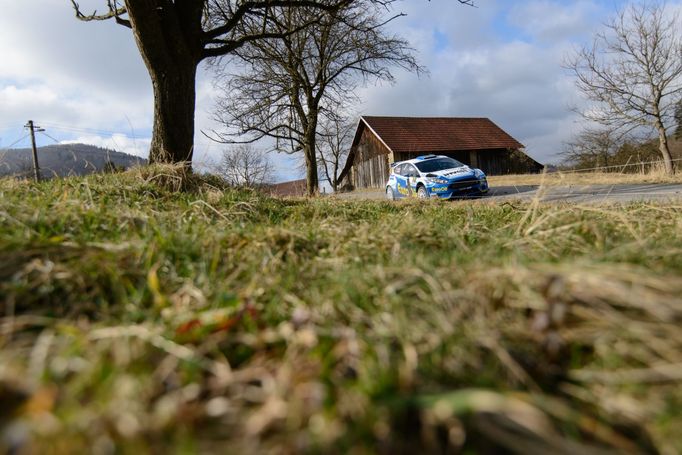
(32, 128)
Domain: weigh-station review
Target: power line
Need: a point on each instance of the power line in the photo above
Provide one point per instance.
(110, 134)
(45, 134)
(83, 129)
(16, 142)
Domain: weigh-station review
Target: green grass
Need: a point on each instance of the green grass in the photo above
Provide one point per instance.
(136, 318)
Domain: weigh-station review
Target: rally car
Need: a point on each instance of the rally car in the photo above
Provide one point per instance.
(434, 176)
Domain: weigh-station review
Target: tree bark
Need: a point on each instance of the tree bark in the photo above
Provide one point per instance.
(664, 149)
(312, 178)
(310, 147)
(174, 103)
(169, 40)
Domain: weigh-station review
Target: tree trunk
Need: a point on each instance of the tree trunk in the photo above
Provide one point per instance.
(310, 150)
(311, 178)
(335, 180)
(169, 40)
(664, 149)
(174, 103)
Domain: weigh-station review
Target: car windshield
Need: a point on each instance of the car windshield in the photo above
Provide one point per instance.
(439, 164)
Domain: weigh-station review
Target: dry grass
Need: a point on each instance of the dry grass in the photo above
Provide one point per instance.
(136, 318)
(586, 178)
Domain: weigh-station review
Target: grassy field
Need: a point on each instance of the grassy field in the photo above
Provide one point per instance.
(137, 318)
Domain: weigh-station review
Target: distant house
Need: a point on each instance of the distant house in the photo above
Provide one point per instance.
(478, 142)
(284, 189)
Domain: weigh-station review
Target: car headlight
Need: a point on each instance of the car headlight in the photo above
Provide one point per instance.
(437, 180)
(479, 174)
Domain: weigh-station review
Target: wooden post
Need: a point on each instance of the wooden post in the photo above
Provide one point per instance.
(36, 167)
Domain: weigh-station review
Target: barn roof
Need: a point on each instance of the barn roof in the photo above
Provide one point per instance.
(437, 134)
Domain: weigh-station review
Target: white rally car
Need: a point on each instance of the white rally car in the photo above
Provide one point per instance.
(434, 176)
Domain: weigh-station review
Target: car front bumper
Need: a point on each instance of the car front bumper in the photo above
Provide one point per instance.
(459, 189)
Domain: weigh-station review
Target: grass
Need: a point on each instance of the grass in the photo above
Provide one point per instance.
(559, 178)
(138, 318)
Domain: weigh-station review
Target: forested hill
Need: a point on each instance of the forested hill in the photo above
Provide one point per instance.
(63, 160)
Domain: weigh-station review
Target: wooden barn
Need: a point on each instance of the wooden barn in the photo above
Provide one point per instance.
(477, 142)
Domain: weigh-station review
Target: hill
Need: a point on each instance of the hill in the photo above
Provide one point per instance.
(63, 160)
(136, 318)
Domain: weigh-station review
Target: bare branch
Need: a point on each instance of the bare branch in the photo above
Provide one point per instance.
(246, 7)
(115, 12)
(334, 141)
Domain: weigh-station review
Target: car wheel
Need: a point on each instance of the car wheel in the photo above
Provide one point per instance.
(389, 194)
(422, 193)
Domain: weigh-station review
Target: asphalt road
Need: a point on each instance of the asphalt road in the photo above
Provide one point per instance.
(661, 192)
(591, 193)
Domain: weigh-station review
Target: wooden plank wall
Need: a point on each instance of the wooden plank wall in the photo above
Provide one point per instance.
(371, 165)
(505, 161)
(492, 162)
(372, 173)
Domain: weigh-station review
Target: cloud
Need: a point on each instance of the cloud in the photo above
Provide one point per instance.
(13, 97)
(495, 65)
(547, 21)
(86, 81)
(46, 42)
(48, 102)
(60, 71)
(118, 142)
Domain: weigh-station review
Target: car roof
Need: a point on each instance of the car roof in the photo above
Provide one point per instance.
(418, 159)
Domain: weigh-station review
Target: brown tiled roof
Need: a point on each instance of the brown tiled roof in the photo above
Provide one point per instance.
(439, 134)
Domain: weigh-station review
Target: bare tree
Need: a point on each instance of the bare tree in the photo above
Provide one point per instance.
(593, 147)
(245, 165)
(610, 150)
(333, 145)
(633, 72)
(173, 37)
(287, 87)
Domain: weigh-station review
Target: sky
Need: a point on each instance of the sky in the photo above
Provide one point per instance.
(85, 82)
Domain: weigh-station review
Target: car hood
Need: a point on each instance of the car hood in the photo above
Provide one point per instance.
(456, 173)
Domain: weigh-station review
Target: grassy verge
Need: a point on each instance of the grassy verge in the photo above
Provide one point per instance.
(585, 178)
(137, 317)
